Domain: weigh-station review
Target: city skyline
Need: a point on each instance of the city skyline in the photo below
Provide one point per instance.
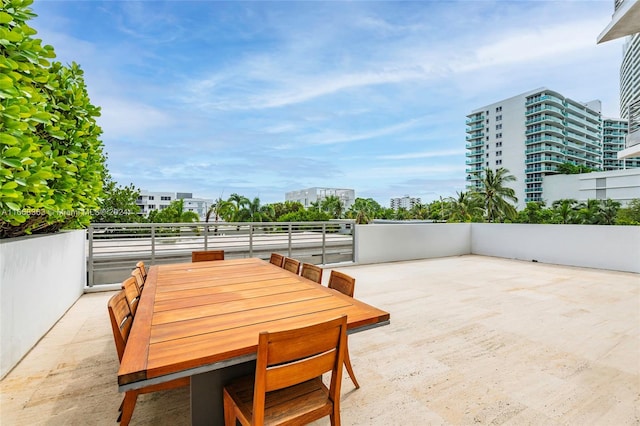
(264, 98)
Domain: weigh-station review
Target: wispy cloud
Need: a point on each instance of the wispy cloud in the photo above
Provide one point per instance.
(423, 154)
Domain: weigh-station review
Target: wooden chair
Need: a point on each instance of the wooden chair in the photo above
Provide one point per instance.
(277, 259)
(121, 320)
(312, 272)
(132, 294)
(206, 256)
(287, 386)
(143, 271)
(291, 265)
(139, 280)
(345, 284)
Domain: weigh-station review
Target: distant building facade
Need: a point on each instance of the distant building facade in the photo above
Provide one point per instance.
(405, 202)
(531, 134)
(318, 194)
(614, 134)
(618, 185)
(149, 201)
(625, 22)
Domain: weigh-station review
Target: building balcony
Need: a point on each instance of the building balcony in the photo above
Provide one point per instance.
(475, 337)
(475, 136)
(474, 144)
(475, 119)
(474, 153)
(473, 169)
(475, 127)
(625, 21)
(474, 161)
(633, 137)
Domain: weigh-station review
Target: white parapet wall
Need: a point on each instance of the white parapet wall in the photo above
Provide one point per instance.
(591, 246)
(406, 241)
(41, 277)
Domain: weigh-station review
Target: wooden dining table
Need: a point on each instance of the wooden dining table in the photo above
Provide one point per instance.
(202, 320)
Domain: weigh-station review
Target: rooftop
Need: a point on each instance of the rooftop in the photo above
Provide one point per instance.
(472, 340)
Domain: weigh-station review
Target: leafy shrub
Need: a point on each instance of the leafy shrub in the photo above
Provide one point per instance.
(52, 159)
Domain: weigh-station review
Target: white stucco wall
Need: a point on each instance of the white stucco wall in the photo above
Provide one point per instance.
(592, 246)
(395, 242)
(41, 277)
(619, 185)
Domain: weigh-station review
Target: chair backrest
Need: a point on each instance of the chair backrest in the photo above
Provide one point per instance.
(342, 282)
(143, 271)
(277, 259)
(121, 321)
(289, 357)
(312, 272)
(131, 293)
(139, 280)
(206, 256)
(291, 265)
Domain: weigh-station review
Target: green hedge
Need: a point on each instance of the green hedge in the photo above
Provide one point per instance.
(50, 151)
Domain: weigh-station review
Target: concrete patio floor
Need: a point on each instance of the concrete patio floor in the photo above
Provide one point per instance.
(472, 340)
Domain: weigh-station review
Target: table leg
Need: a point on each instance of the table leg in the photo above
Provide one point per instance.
(206, 393)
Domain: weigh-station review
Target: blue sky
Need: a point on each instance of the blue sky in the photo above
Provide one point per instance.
(261, 98)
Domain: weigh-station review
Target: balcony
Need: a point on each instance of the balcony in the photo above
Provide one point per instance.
(475, 127)
(633, 137)
(474, 119)
(475, 136)
(474, 338)
(625, 21)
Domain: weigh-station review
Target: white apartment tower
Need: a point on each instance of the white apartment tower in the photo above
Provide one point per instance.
(530, 135)
(625, 22)
(405, 202)
(614, 134)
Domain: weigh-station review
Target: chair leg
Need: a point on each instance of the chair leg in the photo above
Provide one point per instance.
(128, 405)
(347, 363)
(229, 409)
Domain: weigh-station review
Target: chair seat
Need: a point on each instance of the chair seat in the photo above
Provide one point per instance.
(304, 402)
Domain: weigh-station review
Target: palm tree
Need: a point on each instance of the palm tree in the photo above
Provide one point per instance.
(564, 210)
(238, 202)
(219, 210)
(495, 196)
(609, 211)
(464, 207)
(333, 205)
(589, 213)
(363, 210)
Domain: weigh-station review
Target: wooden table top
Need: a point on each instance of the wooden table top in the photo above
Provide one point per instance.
(193, 315)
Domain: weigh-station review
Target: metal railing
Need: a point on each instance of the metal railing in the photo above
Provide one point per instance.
(114, 248)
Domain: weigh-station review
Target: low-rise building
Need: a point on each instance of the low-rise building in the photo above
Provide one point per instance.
(149, 201)
(318, 194)
(619, 185)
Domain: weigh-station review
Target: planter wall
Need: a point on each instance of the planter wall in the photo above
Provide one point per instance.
(41, 277)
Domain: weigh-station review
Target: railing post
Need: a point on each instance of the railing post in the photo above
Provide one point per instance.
(90, 257)
(153, 244)
(290, 229)
(206, 236)
(324, 241)
(353, 242)
(251, 240)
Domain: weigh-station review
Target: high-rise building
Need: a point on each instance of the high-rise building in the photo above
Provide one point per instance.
(530, 135)
(317, 195)
(614, 133)
(625, 22)
(405, 202)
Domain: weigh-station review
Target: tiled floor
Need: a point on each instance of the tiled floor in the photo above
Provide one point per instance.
(472, 340)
